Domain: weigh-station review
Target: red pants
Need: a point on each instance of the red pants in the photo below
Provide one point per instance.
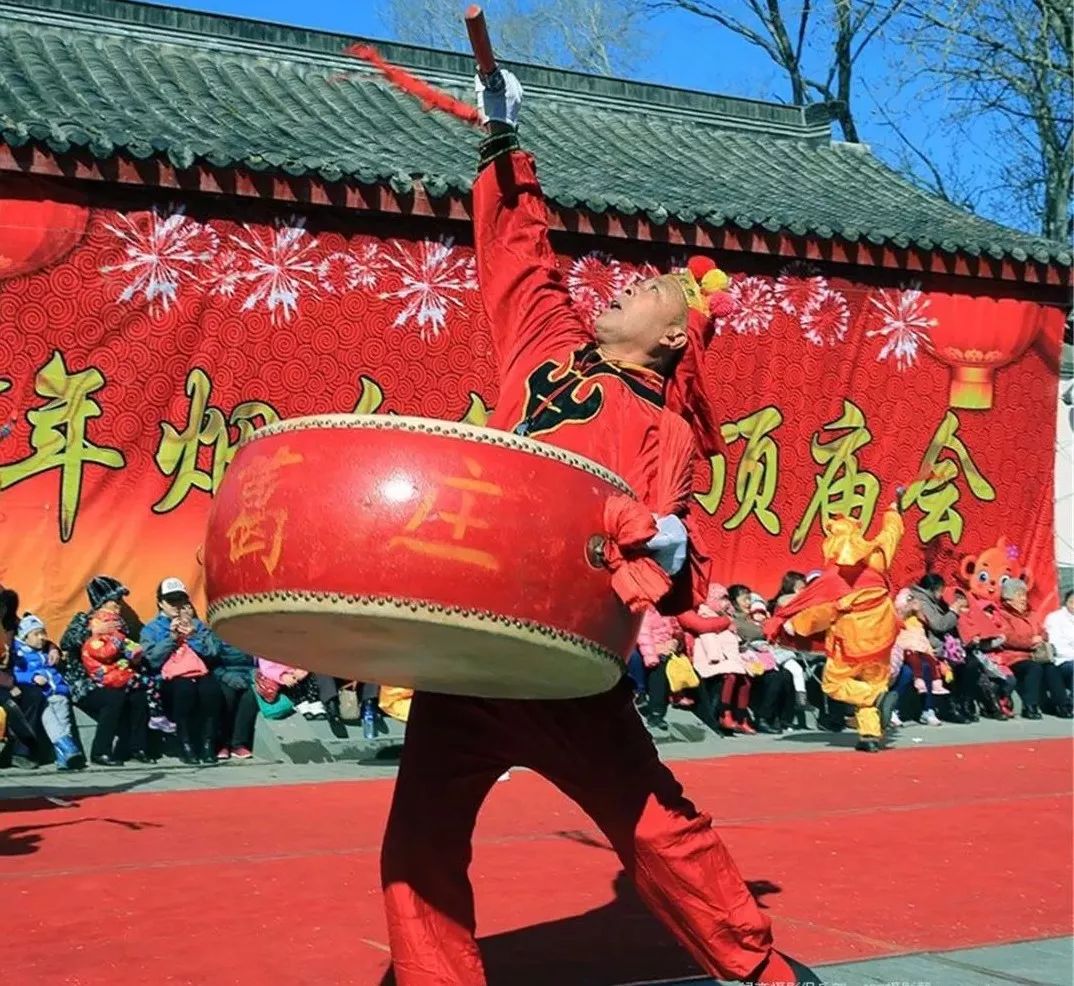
(597, 752)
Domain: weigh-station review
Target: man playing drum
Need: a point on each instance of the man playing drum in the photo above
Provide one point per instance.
(630, 396)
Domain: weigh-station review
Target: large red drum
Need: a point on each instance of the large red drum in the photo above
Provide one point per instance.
(405, 551)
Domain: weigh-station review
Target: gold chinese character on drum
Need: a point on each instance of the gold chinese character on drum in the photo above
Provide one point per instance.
(469, 487)
(428, 554)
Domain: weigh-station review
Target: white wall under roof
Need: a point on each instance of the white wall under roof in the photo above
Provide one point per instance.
(1064, 471)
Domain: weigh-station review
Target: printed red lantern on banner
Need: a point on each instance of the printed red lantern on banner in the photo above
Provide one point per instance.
(36, 233)
(975, 336)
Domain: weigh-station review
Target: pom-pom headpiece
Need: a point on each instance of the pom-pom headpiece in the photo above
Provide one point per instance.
(705, 287)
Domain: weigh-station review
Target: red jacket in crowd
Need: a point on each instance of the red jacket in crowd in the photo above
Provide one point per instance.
(1021, 631)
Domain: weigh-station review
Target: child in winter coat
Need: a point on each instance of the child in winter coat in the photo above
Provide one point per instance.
(110, 657)
(658, 638)
(918, 655)
(719, 662)
(34, 663)
(786, 659)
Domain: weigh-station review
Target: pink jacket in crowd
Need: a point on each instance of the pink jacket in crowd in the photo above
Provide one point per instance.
(656, 633)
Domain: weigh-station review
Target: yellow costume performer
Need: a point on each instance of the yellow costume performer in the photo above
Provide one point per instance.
(851, 603)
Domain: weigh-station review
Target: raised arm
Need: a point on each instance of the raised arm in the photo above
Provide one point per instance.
(891, 531)
(522, 289)
(938, 618)
(696, 624)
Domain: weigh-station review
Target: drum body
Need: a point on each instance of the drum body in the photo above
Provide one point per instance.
(429, 554)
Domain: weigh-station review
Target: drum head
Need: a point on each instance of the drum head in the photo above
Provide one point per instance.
(417, 645)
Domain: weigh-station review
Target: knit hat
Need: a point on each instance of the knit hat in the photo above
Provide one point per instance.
(28, 624)
(757, 604)
(705, 288)
(903, 600)
(105, 589)
(716, 599)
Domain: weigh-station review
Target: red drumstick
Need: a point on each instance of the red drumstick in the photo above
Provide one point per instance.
(479, 40)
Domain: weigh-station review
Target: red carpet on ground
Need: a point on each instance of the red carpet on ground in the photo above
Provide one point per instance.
(854, 856)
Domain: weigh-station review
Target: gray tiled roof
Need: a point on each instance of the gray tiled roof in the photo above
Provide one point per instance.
(110, 78)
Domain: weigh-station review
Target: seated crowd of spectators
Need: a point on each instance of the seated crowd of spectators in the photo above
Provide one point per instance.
(956, 659)
(170, 685)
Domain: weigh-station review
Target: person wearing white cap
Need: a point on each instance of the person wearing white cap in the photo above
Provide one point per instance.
(181, 648)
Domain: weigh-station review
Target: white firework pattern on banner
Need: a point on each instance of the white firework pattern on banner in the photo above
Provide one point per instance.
(163, 249)
(797, 286)
(224, 274)
(344, 270)
(904, 324)
(435, 276)
(825, 320)
(278, 264)
(593, 281)
(755, 307)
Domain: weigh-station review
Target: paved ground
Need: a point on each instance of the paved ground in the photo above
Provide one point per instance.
(1045, 962)
(1040, 963)
(169, 775)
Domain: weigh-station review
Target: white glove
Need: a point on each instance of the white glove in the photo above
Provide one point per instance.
(668, 545)
(501, 104)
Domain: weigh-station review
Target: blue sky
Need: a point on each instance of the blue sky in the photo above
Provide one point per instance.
(692, 53)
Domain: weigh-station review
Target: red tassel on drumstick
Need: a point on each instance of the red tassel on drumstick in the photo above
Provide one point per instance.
(430, 97)
(427, 94)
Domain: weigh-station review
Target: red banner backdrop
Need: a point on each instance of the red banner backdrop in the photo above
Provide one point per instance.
(141, 339)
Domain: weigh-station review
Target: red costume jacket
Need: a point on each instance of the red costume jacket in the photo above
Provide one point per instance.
(555, 384)
(978, 622)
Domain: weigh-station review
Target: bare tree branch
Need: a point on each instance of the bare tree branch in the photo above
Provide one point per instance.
(597, 36)
(1008, 64)
(839, 41)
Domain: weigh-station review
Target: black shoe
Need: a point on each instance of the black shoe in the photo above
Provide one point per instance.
(187, 755)
(142, 757)
(868, 746)
(1031, 712)
(803, 975)
(335, 720)
(656, 723)
(337, 726)
(1066, 712)
(886, 706)
(767, 730)
(104, 760)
